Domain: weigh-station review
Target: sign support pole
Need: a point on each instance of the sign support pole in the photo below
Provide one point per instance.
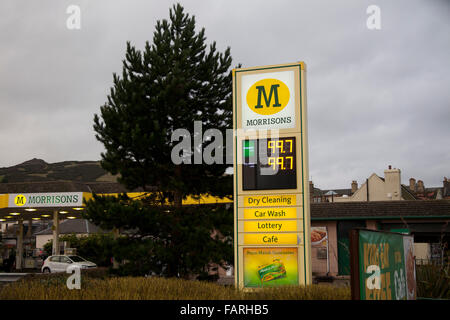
(55, 228)
(19, 253)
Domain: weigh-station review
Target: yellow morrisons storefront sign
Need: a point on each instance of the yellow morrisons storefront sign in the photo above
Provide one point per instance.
(75, 199)
(61, 199)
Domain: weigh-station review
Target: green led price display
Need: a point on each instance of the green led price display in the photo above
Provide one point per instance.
(269, 164)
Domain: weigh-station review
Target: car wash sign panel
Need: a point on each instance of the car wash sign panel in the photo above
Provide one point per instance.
(271, 189)
(384, 267)
(41, 200)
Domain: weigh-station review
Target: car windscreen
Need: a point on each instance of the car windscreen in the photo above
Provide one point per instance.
(76, 259)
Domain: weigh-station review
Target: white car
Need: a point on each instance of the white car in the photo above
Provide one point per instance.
(61, 263)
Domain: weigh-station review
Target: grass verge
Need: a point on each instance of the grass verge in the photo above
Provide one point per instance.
(98, 287)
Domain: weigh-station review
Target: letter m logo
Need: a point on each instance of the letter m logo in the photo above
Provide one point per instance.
(20, 200)
(272, 93)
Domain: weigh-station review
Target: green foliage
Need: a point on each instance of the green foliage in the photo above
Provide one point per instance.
(97, 248)
(167, 86)
(433, 281)
(165, 240)
(48, 247)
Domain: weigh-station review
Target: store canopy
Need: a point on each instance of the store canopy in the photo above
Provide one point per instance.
(39, 200)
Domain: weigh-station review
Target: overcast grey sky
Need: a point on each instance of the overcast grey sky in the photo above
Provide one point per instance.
(375, 97)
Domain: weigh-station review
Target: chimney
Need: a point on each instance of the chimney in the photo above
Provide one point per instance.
(311, 189)
(446, 187)
(420, 186)
(412, 184)
(354, 186)
(392, 183)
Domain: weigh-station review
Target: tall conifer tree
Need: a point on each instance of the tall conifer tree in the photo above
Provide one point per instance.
(169, 85)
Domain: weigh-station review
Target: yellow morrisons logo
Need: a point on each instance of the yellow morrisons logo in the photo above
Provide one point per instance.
(20, 200)
(268, 96)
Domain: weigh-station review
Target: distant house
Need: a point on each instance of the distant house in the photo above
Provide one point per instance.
(318, 196)
(380, 189)
(80, 227)
(433, 193)
(386, 188)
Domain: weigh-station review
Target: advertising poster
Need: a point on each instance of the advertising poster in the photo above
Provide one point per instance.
(408, 248)
(265, 267)
(319, 244)
(319, 237)
(385, 259)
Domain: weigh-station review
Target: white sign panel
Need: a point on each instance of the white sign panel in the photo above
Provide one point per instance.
(268, 100)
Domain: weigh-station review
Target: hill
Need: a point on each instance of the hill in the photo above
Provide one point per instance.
(37, 170)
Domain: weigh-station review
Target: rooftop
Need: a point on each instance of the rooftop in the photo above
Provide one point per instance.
(77, 226)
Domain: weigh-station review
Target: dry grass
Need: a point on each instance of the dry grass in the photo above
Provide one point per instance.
(128, 288)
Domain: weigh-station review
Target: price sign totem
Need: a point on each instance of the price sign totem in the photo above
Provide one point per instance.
(271, 188)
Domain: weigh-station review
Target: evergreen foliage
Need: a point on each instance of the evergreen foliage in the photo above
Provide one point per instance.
(170, 84)
(167, 86)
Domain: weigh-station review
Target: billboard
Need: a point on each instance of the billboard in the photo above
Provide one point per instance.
(271, 185)
(382, 265)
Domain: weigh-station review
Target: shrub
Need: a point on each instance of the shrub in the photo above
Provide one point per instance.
(433, 281)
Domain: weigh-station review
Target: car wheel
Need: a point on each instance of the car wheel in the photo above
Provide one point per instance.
(46, 270)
